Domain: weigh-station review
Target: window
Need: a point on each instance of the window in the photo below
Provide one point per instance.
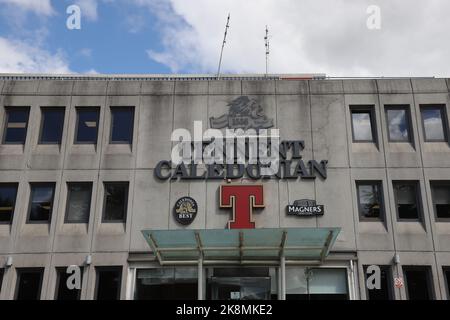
(166, 284)
(418, 283)
(16, 125)
(52, 125)
(398, 124)
(363, 126)
(78, 202)
(434, 123)
(62, 290)
(29, 283)
(1, 280)
(108, 283)
(316, 284)
(8, 194)
(441, 199)
(370, 200)
(41, 202)
(122, 119)
(87, 125)
(447, 280)
(116, 201)
(385, 292)
(407, 200)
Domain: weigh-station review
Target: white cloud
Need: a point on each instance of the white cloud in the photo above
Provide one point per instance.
(37, 6)
(327, 36)
(91, 72)
(88, 9)
(21, 57)
(135, 23)
(85, 52)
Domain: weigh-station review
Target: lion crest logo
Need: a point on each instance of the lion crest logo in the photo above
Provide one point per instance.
(244, 113)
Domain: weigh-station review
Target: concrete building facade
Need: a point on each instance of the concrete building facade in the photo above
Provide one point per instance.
(316, 111)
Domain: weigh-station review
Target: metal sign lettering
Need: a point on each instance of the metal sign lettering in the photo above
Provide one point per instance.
(305, 208)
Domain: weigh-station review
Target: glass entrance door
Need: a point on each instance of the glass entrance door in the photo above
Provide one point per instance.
(242, 288)
(240, 284)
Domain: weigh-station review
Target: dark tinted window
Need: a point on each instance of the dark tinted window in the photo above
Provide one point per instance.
(434, 121)
(52, 125)
(167, 284)
(116, 197)
(78, 202)
(41, 203)
(385, 291)
(122, 120)
(447, 280)
(418, 283)
(1, 280)
(407, 200)
(87, 125)
(29, 283)
(370, 200)
(108, 283)
(62, 290)
(16, 125)
(398, 124)
(8, 194)
(362, 125)
(441, 199)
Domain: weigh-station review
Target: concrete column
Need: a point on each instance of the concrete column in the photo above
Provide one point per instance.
(200, 279)
(283, 277)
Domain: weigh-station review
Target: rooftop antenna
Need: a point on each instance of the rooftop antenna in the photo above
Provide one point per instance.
(223, 45)
(266, 39)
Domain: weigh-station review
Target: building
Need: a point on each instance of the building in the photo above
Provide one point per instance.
(84, 181)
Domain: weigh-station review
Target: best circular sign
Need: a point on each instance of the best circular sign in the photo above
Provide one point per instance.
(185, 210)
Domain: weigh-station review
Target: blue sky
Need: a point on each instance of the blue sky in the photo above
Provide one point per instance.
(106, 44)
(184, 36)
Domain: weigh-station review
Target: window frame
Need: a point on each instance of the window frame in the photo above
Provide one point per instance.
(6, 121)
(131, 133)
(370, 109)
(41, 126)
(81, 183)
(127, 184)
(438, 183)
(98, 269)
(382, 216)
(429, 277)
(444, 119)
(53, 184)
(389, 278)
(418, 196)
(20, 271)
(16, 185)
(77, 122)
(407, 109)
(58, 281)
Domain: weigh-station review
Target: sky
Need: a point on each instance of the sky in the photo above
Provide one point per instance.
(341, 38)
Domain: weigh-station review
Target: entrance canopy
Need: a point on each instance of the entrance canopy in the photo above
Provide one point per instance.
(241, 246)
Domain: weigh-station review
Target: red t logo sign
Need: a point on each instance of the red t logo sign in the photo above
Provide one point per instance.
(242, 198)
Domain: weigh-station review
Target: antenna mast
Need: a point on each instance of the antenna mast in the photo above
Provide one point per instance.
(266, 39)
(223, 45)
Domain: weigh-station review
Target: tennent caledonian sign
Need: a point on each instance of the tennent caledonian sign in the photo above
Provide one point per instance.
(242, 199)
(246, 148)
